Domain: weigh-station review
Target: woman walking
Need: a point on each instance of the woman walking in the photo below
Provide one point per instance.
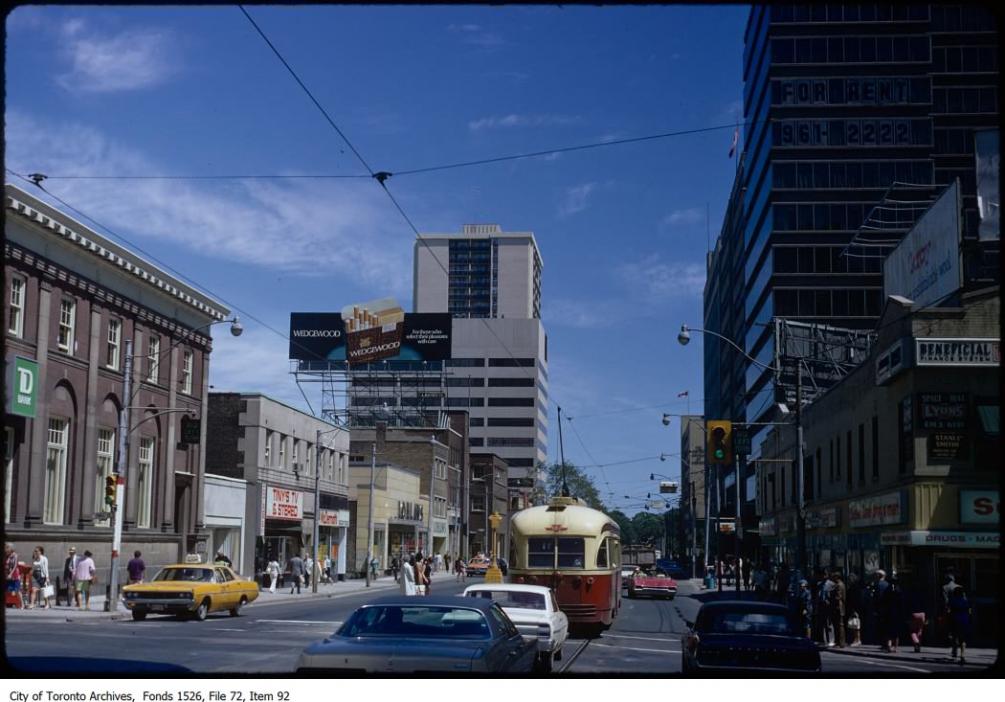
(39, 578)
(428, 574)
(916, 616)
(273, 569)
(407, 580)
(959, 621)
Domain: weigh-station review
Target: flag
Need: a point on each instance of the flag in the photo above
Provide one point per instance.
(736, 138)
(682, 394)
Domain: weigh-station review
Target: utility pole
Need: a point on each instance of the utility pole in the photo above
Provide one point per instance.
(369, 513)
(801, 499)
(317, 510)
(737, 530)
(120, 481)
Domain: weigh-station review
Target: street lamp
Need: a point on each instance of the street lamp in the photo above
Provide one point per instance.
(122, 463)
(684, 337)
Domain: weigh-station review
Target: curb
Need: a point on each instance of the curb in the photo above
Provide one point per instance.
(879, 655)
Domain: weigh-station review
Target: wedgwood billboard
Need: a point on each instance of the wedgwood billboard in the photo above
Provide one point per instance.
(370, 331)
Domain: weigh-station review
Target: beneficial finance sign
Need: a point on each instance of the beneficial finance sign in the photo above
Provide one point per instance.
(378, 330)
(925, 266)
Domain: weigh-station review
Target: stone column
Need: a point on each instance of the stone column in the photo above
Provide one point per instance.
(89, 466)
(40, 425)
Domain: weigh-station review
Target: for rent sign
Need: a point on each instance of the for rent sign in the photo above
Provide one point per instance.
(284, 504)
(876, 510)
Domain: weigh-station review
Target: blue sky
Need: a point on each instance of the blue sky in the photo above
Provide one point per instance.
(622, 230)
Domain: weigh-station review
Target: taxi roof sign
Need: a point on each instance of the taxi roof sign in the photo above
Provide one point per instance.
(668, 486)
(193, 558)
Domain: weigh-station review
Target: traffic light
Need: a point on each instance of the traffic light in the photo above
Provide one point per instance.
(111, 486)
(720, 441)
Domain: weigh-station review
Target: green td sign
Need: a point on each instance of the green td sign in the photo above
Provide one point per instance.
(24, 387)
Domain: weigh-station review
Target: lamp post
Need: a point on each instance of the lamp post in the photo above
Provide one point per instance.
(494, 574)
(683, 338)
(122, 463)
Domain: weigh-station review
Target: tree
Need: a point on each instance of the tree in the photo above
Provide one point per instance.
(580, 484)
(648, 528)
(626, 526)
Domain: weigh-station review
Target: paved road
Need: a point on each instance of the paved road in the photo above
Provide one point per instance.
(267, 638)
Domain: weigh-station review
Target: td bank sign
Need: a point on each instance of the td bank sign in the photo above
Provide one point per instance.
(23, 384)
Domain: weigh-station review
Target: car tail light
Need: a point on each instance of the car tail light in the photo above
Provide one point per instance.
(543, 631)
(692, 641)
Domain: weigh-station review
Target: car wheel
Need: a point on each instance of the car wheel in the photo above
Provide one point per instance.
(139, 615)
(545, 663)
(201, 611)
(558, 654)
(236, 611)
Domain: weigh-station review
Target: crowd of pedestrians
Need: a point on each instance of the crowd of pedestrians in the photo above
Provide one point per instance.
(880, 611)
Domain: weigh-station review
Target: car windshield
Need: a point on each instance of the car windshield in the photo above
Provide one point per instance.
(425, 622)
(725, 622)
(193, 575)
(512, 598)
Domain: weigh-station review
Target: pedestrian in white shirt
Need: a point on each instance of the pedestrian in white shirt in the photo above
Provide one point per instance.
(84, 577)
(273, 569)
(408, 577)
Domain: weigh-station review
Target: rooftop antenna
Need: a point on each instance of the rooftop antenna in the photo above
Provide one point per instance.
(561, 453)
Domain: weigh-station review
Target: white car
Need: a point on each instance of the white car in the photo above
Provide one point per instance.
(534, 611)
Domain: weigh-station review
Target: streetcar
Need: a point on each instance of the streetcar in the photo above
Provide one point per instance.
(576, 551)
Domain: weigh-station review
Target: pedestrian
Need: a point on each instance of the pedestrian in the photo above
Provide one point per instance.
(273, 569)
(221, 559)
(960, 615)
(394, 568)
(69, 569)
(12, 574)
(428, 575)
(408, 580)
(459, 569)
(855, 628)
(746, 573)
(85, 576)
(882, 609)
(893, 614)
(308, 569)
(826, 599)
(917, 618)
(805, 604)
(945, 594)
(438, 563)
(839, 598)
(39, 578)
(136, 568)
(328, 570)
(446, 562)
(296, 568)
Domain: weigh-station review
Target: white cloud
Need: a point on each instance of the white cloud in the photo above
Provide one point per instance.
(685, 217)
(130, 60)
(575, 199)
(515, 120)
(575, 313)
(256, 361)
(476, 35)
(658, 279)
(300, 227)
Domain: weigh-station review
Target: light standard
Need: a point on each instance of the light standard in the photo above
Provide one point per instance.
(693, 455)
(683, 338)
(118, 507)
(317, 504)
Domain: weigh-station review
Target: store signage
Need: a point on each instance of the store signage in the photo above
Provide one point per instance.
(944, 416)
(925, 266)
(23, 387)
(843, 91)
(409, 511)
(284, 504)
(822, 518)
(768, 526)
(727, 527)
(333, 518)
(980, 507)
(963, 539)
(881, 509)
(958, 352)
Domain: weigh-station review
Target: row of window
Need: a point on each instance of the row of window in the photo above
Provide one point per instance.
(849, 174)
(865, 12)
(859, 90)
(983, 100)
(964, 59)
(66, 336)
(821, 259)
(492, 362)
(828, 303)
(57, 459)
(801, 133)
(821, 216)
(868, 49)
(333, 464)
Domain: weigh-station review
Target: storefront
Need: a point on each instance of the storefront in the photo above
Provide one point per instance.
(225, 520)
(406, 530)
(333, 526)
(282, 528)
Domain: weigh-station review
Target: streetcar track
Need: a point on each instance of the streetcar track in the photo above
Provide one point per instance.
(574, 656)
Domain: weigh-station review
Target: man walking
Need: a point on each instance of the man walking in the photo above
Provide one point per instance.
(296, 568)
(69, 570)
(839, 598)
(84, 577)
(746, 573)
(136, 568)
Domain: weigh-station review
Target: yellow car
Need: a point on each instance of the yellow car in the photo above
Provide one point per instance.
(191, 589)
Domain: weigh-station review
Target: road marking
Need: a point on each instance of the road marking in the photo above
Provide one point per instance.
(640, 638)
(646, 650)
(891, 665)
(299, 621)
(574, 656)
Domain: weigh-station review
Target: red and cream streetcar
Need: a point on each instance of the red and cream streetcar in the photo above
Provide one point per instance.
(576, 551)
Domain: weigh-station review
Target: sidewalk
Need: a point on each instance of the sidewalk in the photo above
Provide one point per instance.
(383, 585)
(980, 657)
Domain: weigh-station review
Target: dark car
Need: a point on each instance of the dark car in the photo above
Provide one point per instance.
(752, 637)
(503, 565)
(438, 634)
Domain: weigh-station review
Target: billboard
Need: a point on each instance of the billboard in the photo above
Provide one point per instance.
(988, 197)
(925, 265)
(378, 330)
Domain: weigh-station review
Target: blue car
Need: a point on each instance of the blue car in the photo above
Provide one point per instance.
(747, 637)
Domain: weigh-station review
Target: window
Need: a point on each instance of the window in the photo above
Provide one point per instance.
(295, 443)
(831, 460)
(848, 457)
(55, 470)
(114, 341)
(8, 470)
(67, 323)
(602, 554)
(875, 448)
(282, 451)
(268, 448)
(511, 402)
(144, 482)
(153, 358)
(861, 454)
(511, 382)
(571, 552)
(512, 363)
(186, 372)
(506, 422)
(541, 552)
(16, 324)
(106, 466)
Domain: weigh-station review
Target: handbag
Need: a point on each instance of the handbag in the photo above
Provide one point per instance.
(48, 591)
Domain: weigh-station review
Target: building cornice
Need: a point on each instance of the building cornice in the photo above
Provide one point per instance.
(17, 201)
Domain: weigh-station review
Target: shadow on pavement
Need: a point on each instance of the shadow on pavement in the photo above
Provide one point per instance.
(89, 666)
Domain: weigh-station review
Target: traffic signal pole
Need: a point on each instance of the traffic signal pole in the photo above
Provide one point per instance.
(112, 604)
